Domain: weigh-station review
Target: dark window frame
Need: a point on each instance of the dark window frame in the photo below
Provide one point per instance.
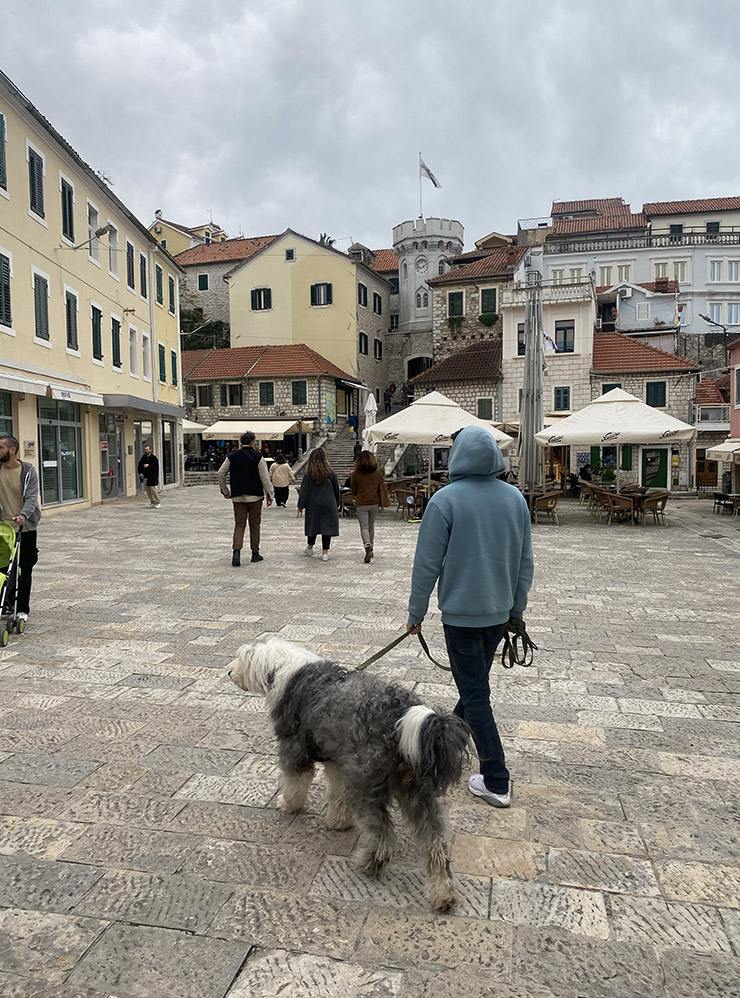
(363, 344)
(261, 299)
(456, 299)
(561, 394)
(377, 303)
(6, 311)
(115, 334)
(267, 393)
(650, 388)
(378, 348)
(299, 392)
(130, 266)
(201, 285)
(67, 194)
(321, 294)
(71, 304)
(565, 336)
(362, 295)
(41, 307)
(96, 325)
(36, 182)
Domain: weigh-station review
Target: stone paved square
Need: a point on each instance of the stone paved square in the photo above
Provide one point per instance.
(140, 834)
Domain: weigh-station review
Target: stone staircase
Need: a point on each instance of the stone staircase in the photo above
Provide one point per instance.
(340, 452)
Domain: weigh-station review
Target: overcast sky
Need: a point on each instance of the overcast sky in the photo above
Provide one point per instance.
(311, 113)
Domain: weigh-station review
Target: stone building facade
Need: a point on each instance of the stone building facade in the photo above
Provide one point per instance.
(206, 265)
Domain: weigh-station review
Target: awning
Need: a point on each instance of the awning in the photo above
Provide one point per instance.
(352, 384)
(724, 451)
(75, 395)
(188, 426)
(263, 429)
(16, 383)
(136, 404)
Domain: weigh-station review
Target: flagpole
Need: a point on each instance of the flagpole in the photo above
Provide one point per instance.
(421, 211)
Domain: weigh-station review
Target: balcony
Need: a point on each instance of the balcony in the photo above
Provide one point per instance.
(610, 242)
(711, 417)
(629, 322)
(551, 293)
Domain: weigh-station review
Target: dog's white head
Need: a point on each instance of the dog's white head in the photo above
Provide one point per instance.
(255, 664)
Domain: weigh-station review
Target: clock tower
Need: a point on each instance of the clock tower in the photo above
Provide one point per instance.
(424, 248)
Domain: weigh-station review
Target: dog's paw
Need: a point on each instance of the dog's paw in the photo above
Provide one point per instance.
(338, 819)
(372, 864)
(445, 901)
(291, 806)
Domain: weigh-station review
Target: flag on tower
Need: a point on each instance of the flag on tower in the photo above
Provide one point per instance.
(424, 171)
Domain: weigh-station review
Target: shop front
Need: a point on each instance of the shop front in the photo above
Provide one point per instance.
(61, 453)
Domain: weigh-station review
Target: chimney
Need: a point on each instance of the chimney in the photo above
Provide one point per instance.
(158, 213)
(512, 255)
(661, 284)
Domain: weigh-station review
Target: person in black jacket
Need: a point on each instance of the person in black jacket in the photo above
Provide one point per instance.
(149, 474)
(249, 483)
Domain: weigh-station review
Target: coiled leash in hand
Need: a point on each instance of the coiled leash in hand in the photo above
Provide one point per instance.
(518, 648)
(397, 641)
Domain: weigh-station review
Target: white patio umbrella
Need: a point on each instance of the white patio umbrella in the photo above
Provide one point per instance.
(188, 426)
(430, 420)
(726, 451)
(371, 412)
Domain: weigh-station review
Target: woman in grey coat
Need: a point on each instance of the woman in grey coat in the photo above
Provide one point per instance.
(319, 497)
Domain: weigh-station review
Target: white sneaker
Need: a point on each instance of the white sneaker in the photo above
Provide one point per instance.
(478, 788)
(308, 551)
(324, 556)
(22, 616)
(157, 505)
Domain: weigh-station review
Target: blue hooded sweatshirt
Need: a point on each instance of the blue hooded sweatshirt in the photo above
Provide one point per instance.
(476, 538)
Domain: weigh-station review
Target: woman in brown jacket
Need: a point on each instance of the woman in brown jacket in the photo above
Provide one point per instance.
(364, 483)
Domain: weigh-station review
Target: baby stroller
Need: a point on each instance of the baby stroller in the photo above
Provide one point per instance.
(10, 553)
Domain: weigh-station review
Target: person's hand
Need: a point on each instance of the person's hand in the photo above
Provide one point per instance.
(20, 520)
(226, 495)
(269, 501)
(413, 628)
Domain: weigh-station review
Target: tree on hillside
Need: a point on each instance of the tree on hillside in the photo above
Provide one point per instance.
(197, 333)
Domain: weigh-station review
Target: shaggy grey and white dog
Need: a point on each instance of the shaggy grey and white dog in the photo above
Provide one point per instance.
(376, 741)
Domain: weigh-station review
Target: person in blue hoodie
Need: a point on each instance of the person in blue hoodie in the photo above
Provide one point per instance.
(476, 539)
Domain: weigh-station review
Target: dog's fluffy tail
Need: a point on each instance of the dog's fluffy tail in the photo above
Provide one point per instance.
(434, 743)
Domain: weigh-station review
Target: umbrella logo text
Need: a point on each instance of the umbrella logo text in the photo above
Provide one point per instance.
(555, 439)
(611, 435)
(668, 433)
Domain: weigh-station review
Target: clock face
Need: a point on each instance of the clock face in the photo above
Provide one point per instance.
(421, 266)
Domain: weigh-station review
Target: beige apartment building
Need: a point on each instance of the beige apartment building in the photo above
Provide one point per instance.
(89, 320)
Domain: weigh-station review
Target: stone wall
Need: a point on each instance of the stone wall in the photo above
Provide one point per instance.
(469, 329)
(215, 301)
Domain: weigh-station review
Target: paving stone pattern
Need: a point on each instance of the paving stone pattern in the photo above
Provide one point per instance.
(142, 852)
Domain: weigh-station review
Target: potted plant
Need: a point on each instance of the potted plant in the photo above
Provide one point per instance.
(607, 475)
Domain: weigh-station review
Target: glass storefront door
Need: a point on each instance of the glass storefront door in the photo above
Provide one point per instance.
(60, 440)
(112, 470)
(655, 467)
(6, 415)
(167, 458)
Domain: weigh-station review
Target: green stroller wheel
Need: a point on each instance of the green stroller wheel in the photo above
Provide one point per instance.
(20, 626)
(4, 637)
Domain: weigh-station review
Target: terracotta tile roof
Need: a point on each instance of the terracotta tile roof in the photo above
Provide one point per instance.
(614, 352)
(191, 358)
(708, 393)
(284, 360)
(598, 223)
(385, 261)
(478, 362)
(605, 206)
(723, 384)
(232, 250)
(499, 262)
(688, 207)
(669, 287)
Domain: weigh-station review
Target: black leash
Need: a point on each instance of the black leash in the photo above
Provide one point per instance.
(397, 641)
(518, 648)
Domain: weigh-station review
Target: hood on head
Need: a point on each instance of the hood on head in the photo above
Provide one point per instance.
(475, 452)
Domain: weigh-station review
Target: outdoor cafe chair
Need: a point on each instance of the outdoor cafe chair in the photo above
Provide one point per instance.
(587, 491)
(408, 503)
(619, 508)
(655, 504)
(547, 503)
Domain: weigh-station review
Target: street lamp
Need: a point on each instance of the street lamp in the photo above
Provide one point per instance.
(713, 322)
(104, 230)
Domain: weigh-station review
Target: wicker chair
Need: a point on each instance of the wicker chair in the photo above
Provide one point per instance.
(547, 503)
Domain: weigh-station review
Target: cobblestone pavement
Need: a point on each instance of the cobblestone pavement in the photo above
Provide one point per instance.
(141, 851)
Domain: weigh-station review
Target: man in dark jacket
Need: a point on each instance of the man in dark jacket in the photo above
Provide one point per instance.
(19, 506)
(149, 474)
(249, 483)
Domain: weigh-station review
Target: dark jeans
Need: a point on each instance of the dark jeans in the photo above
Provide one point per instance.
(29, 555)
(281, 494)
(471, 651)
(325, 542)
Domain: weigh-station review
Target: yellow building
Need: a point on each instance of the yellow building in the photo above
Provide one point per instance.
(89, 321)
(296, 290)
(176, 238)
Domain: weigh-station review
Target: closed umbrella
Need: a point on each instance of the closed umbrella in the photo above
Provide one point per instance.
(532, 419)
(371, 413)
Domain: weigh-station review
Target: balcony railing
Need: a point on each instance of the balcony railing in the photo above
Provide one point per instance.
(628, 321)
(711, 414)
(586, 244)
(551, 292)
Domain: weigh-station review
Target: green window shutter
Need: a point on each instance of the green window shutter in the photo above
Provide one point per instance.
(173, 366)
(36, 182)
(299, 392)
(159, 287)
(268, 297)
(70, 304)
(485, 408)
(115, 333)
(595, 457)
(162, 363)
(171, 293)
(224, 399)
(211, 396)
(655, 394)
(130, 276)
(488, 300)
(142, 275)
(68, 222)
(241, 393)
(97, 340)
(626, 464)
(41, 307)
(314, 294)
(267, 393)
(328, 294)
(6, 318)
(3, 169)
(255, 300)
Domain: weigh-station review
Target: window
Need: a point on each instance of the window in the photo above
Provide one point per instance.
(404, 270)
(113, 251)
(130, 266)
(362, 295)
(661, 270)
(299, 394)
(3, 167)
(146, 357)
(115, 330)
(679, 271)
(488, 300)
(605, 277)
(6, 317)
(68, 209)
(289, 255)
(267, 393)
(422, 299)
(712, 228)
(393, 281)
(565, 334)
(715, 313)
(36, 181)
(363, 343)
(378, 349)
(558, 276)
(202, 282)
(231, 395)
(455, 302)
(321, 294)
(683, 315)
(93, 224)
(171, 292)
(204, 396)
(441, 267)
(163, 243)
(96, 319)
(6, 414)
(261, 299)
(158, 284)
(174, 366)
(715, 270)
(655, 394)
(485, 409)
(676, 230)
(142, 275)
(133, 352)
(162, 358)
(394, 322)
(733, 314)
(608, 385)
(70, 317)
(377, 303)
(643, 310)
(626, 457)
(41, 306)
(624, 272)
(576, 275)
(521, 341)
(733, 270)
(561, 399)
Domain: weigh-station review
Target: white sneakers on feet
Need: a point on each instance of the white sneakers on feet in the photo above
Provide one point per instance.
(324, 556)
(22, 616)
(308, 551)
(478, 788)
